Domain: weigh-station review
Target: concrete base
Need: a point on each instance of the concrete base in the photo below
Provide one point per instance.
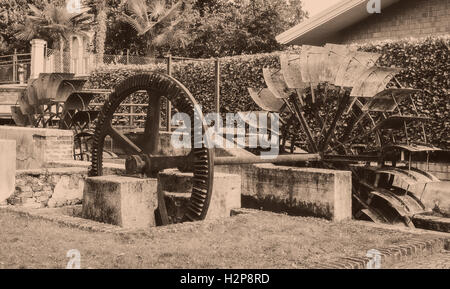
(7, 169)
(436, 196)
(296, 191)
(439, 170)
(37, 146)
(123, 201)
(178, 187)
(432, 223)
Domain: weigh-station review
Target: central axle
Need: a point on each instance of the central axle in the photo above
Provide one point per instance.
(150, 164)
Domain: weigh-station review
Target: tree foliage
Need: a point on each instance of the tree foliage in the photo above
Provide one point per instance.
(200, 28)
(12, 13)
(53, 22)
(211, 28)
(226, 28)
(13, 17)
(159, 23)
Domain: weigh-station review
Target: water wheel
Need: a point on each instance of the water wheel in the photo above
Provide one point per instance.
(338, 103)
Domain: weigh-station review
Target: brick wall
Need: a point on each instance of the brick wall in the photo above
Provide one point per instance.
(59, 146)
(36, 147)
(408, 18)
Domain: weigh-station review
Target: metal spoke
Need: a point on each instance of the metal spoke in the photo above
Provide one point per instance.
(123, 141)
(150, 138)
(300, 116)
(331, 129)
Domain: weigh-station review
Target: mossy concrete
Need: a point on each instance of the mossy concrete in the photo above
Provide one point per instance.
(122, 201)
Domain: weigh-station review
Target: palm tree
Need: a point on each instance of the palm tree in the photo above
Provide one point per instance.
(54, 23)
(100, 33)
(156, 22)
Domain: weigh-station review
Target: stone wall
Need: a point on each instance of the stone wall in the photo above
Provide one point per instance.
(37, 146)
(54, 187)
(412, 18)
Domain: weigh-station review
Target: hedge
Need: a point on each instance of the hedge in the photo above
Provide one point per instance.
(426, 66)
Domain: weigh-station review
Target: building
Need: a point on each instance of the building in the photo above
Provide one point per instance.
(350, 22)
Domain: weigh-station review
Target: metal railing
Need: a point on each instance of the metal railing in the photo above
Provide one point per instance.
(15, 68)
(88, 62)
(55, 61)
(132, 112)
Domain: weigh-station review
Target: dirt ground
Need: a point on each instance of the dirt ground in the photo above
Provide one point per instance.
(262, 240)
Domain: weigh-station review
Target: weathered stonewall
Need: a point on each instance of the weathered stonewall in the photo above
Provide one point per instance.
(7, 169)
(123, 201)
(49, 187)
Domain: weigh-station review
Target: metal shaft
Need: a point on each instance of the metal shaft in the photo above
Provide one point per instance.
(261, 160)
(151, 164)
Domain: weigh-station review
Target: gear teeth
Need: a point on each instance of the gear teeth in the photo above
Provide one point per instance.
(183, 101)
(189, 217)
(198, 198)
(195, 209)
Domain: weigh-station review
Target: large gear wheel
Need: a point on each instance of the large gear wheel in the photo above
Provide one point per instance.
(157, 86)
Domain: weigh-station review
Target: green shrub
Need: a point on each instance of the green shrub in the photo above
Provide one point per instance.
(426, 66)
(237, 73)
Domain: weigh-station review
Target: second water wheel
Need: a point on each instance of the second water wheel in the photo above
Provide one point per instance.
(336, 102)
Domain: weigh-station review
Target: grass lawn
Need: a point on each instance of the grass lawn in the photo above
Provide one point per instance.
(261, 240)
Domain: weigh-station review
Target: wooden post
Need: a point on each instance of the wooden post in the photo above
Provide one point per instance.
(168, 104)
(217, 82)
(14, 63)
(128, 56)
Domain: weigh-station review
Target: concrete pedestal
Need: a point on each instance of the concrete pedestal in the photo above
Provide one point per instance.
(297, 191)
(178, 187)
(7, 169)
(123, 201)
